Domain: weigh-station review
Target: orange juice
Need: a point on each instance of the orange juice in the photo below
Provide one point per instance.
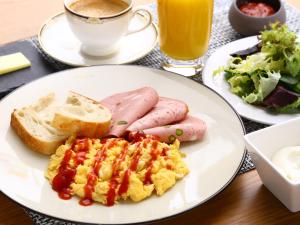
(184, 27)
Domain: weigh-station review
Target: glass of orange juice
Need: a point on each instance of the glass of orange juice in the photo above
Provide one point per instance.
(184, 32)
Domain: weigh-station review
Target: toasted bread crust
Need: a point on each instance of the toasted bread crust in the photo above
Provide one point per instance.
(79, 127)
(34, 143)
(94, 122)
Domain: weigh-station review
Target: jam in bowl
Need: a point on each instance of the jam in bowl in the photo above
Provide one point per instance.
(257, 9)
(249, 17)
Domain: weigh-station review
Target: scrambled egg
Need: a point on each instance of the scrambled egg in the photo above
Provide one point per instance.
(121, 169)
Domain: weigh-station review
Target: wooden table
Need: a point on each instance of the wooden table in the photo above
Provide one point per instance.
(244, 201)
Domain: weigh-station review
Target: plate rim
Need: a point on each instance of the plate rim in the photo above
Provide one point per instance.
(158, 219)
(45, 24)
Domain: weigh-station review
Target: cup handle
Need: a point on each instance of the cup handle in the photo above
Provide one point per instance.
(141, 11)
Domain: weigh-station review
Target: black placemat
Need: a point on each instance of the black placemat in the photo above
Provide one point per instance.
(39, 67)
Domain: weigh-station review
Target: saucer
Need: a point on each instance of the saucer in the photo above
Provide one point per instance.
(57, 40)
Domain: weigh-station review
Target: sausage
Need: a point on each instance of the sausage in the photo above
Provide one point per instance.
(190, 129)
(166, 111)
(128, 107)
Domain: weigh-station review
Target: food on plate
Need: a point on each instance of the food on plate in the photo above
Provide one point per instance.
(82, 116)
(271, 76)
(127, 107)
(167, 118)
(113, 169)
(248, 51)
(143, 158)
(46, 124)
(281, 97)
(287, 162)
(189, 129)
(257, 9)
(33, 125)
(165, 112)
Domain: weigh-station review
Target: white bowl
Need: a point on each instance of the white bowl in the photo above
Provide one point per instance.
(262, 145)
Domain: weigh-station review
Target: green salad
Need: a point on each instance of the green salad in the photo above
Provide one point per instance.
(268, 74)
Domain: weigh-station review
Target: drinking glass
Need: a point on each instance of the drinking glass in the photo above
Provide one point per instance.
(184, 32)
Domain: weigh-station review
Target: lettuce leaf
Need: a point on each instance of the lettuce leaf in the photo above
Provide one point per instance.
(280, 44)
(255, 87)
(293, 63)
(278, 62)
(252, 63)
(241, 85)
(264, 85)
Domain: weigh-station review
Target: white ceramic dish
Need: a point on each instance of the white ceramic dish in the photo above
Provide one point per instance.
(213, 162)
(220, 58)
(57, 40)
(262, 145)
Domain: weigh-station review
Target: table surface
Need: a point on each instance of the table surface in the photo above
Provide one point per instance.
(244, 201)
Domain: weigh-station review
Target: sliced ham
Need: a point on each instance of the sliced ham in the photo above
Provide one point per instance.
(190, 129)
(128, 107)
(166, 111)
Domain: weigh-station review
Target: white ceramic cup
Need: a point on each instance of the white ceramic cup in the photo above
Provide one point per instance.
(100, 36)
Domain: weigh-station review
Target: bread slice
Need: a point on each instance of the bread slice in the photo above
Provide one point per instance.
(46, 125)
(82, 116)
(33, 126)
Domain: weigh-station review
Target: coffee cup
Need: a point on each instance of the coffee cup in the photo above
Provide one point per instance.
(101, 24)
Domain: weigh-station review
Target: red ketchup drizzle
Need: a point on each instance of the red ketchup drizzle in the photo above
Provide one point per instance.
(82, 150)
(111, 195)
(257, 9)
(169, 167)
(88, 190)
(165, 155)
(154, 154)
(103, 141)
(135, 137)
(65, 176)
(62, 181)
(135, 160)
(125, 182)
(133, 167)
(164, 151)
(139, 136)
(93, 175)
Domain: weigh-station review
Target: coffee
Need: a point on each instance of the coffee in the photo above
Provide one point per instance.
(98, 8)
(100, 37)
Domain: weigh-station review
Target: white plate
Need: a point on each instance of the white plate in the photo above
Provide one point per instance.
(220, 58)
(213, 162)
(58, 41)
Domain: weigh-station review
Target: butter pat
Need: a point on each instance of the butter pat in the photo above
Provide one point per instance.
(13, 62)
